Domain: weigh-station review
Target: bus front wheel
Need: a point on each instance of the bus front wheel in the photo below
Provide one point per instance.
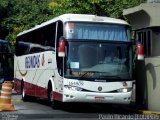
(53, 103)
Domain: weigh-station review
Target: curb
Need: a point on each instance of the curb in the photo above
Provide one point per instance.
(144, 112)
(147, 112)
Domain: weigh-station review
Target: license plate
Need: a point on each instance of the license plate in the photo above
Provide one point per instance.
(98, 98)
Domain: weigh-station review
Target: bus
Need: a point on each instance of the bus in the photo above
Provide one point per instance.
(75, 58)
(6, 62)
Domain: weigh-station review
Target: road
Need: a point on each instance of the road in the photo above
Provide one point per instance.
(40, 110)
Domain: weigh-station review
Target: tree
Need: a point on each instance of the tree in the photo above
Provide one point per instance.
(3, 12)
(19, 15)
(24, 14)
(110, 8)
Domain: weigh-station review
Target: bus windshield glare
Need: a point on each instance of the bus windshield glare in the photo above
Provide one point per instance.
(98, 51)
(99, 60)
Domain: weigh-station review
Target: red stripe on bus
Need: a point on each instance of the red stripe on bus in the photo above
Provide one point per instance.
(57, 96)
(17, 85)
(34, 90)
(31, 89)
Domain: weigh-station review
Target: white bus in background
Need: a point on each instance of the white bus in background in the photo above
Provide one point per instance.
(6, 62)
(75, 58)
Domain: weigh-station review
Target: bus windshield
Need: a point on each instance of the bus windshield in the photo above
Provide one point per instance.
(98, 50)
(99, 59)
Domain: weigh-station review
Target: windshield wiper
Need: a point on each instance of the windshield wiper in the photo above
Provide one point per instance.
(101, 76)
(110, 76)
(82, 76)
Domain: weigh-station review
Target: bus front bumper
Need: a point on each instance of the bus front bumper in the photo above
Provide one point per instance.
(94, 97)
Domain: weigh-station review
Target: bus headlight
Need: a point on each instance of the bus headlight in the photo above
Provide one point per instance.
(74, 88)
(124, 90)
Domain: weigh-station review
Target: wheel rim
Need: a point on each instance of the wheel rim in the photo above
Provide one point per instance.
(23, 94)
(51, 99)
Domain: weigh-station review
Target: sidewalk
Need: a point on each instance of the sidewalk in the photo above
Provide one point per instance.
(133, 108)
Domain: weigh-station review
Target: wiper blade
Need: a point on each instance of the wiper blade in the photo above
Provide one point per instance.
(86, 72)
(110, 76)
(101, 76)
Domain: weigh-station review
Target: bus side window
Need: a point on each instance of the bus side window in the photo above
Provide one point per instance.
(5, 48)
(59, 30)
(36, 50)
(47, 36)
(59, 59)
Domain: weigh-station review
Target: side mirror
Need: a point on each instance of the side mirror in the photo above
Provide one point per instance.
(140, 51)
(61, 47)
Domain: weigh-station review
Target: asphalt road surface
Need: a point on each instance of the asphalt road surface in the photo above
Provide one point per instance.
(40, 110)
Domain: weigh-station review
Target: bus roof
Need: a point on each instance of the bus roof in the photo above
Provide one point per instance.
(77, 17)
(3, 41)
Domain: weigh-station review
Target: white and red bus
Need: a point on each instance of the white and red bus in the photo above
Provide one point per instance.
(75, 58)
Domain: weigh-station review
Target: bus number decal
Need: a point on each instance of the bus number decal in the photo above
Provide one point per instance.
(32, 61)
(76, 83)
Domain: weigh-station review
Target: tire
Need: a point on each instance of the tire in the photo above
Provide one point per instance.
(53, 103)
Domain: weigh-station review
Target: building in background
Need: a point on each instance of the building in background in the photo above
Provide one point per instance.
(145, 21)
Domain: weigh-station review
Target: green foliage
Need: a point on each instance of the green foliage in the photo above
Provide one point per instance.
(24, 14)
(19, 15)
(111, 8)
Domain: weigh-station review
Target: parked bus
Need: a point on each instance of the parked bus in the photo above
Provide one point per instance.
(75, 58)
(6, 62)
